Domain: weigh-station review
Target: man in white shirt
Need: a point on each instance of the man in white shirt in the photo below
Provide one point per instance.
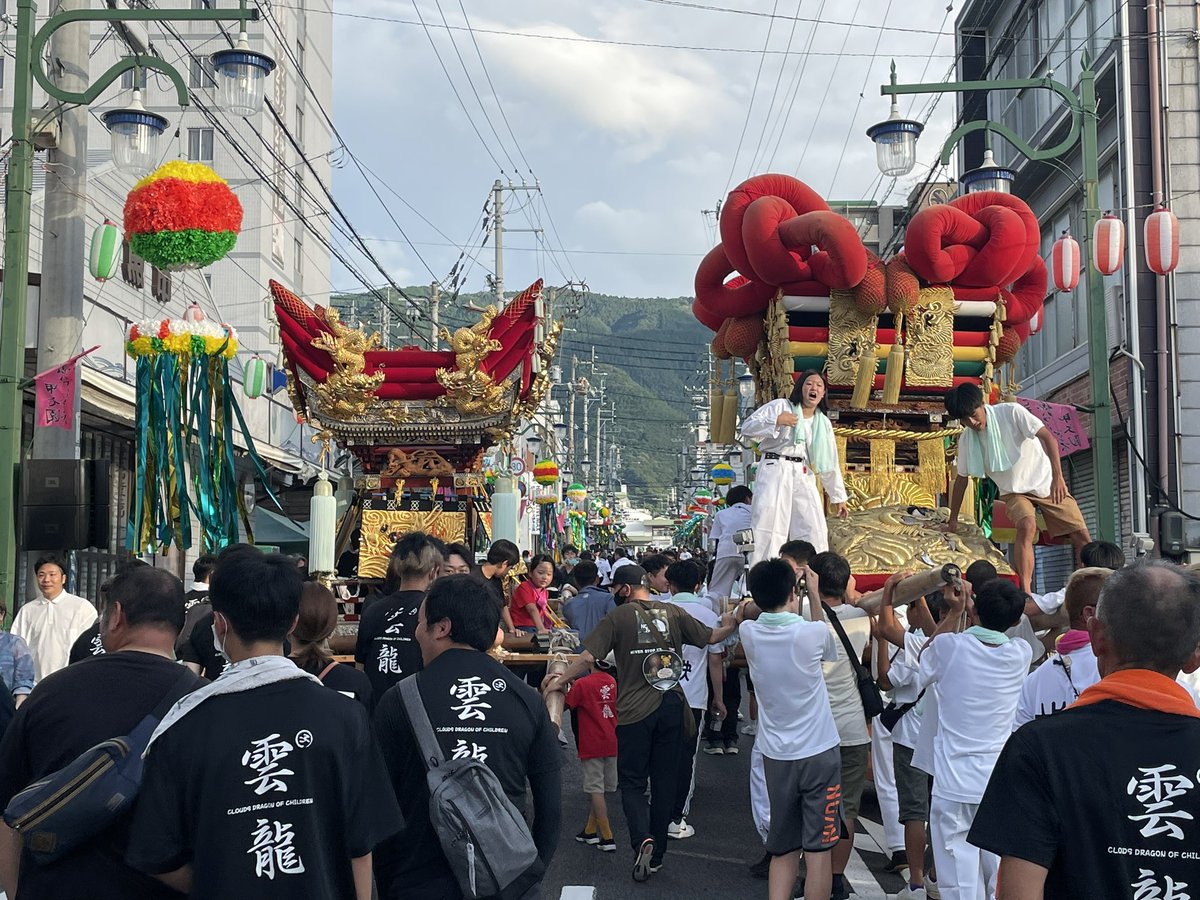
(728, 562)
(1072, 668)
(1097, 554)
(52, 621)
(976, 677)
(797, 734)
(837, 591)
(701, 665)
(620, 560)
(1010, 445)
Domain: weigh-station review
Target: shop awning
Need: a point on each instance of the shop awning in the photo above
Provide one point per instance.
(274, 530)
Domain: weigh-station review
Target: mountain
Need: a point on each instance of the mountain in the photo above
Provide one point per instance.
(654, 354)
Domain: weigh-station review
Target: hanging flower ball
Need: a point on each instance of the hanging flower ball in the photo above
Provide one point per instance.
(182, 216)
(703, 497)
(105, 256)
(1064, 263)
(193, 313)
(254, 376)
(1162, 241)
(545, 499)
(489, 477)
(605, 512)
(577, 492)
(546, 472)
(721, 474)
(1108, 244)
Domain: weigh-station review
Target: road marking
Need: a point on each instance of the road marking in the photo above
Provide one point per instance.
(578, 892)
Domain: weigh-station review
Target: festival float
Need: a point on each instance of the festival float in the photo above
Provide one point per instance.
(418, 421)
(791, 287)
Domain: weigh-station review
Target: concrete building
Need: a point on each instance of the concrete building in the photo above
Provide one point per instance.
(275, 165)
(1029, 38)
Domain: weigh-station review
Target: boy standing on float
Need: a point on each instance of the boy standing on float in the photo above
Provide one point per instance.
(795, 438)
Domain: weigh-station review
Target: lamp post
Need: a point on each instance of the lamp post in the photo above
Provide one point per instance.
(1083, 125)
(130, 135)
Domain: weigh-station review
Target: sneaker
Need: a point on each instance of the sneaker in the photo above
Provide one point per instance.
(750, 728)
(715, 750)
(608, 845)
(641, 861)
(588, 837)
(655, 865)
(761, 868)
(731, 750)
(680, 830)
(911, 893)
(931, 889)
(898, 861)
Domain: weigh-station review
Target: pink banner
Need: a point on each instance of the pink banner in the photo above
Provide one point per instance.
(55, 391)
(1063, 422)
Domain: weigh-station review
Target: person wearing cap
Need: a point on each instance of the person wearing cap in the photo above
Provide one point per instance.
(646, 637)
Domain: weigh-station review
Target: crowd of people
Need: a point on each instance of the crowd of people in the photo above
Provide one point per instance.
(1007, 763)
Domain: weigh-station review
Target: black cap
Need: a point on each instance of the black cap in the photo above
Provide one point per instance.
(629, 574)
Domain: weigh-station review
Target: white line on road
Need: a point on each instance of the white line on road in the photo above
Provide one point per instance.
(578, 892)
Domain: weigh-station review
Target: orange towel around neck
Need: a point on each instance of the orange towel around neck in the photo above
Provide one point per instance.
(1143, 689)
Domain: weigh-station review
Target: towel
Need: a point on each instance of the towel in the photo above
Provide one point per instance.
(980, 459)
(820, 450)
(255, 672)
(1143, 689)
(987, 635)
(1070, 641)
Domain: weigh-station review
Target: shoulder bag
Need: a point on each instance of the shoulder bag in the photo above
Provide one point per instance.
(868, 690)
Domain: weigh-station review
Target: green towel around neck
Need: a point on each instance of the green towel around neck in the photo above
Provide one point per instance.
(820, 450)
(983, 459)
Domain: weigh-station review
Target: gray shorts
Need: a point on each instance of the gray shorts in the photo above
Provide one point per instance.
(912, 786)
(854, 778)
(806, 798)
(599, 775)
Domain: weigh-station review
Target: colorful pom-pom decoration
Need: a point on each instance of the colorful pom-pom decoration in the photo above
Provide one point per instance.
(576, 492)
(254, 377)
(182, 338)
(182, 216)
(105, 256)
(721, 474)
(546, 472)
(703, 497)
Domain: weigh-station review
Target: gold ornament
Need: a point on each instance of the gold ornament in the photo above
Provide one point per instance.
(930, 339)
(851, 339)
(348, 390)
(878, 540)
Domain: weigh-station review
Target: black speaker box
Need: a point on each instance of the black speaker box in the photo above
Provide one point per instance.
(65, 504)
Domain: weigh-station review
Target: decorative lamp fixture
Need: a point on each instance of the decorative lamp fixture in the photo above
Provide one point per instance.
(988, 177)
(241, 77)
(1064, 262)
(895, 140)
(254, 380)
(534, 443)
(560, 430)
(1108, 244)
(546, 472)
(322, 526)
(105, 258)
(1162, 241)
(721, 474)
(134, 132)
(576, 492)
(745, 386)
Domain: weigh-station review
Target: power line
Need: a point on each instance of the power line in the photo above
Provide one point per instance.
(775, 91)
(794, 89)
(750, 105)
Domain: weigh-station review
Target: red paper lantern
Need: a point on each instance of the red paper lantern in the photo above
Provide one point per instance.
(1035, 323)
(1162, 241)
(1108, 244)
(1064, 263)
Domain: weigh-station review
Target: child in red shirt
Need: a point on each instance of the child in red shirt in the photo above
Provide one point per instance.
(593, 702)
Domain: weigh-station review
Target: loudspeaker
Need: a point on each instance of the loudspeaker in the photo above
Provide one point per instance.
(65, 504)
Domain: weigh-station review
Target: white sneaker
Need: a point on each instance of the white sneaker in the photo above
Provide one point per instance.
(931, 889)
(909, 894)
(680, 830)
(750, 728)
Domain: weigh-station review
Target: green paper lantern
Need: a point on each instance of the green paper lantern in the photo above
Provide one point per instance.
(105, 256)
(254, 377)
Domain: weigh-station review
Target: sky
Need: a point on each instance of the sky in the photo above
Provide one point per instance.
(629, 140)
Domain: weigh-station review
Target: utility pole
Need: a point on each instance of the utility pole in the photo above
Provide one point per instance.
(64, 244)
(435, 299)
(498, 229)
(573, 419)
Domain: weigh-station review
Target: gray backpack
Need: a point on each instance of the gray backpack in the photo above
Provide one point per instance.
(485, 838)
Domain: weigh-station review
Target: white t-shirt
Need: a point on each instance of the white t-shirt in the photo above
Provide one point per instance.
(840, 680)
(794, 716)
(903, 674)
(1030, 471)
(604, 568)
(726, 524)
(695, 681)
(1048, 689)
(50, 627)
(1050, 603)
(923, 751)
(977, 687)
(1023, 631)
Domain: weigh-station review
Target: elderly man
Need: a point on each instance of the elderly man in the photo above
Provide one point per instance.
(1101, 800)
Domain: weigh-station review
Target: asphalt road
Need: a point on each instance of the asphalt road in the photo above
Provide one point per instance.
(711, 865)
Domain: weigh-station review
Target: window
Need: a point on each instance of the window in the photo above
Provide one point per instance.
(298, 252)
(200, 144)
(203, 75)
(300, 53)
(299, 125)
(127, 80)
(300, 186)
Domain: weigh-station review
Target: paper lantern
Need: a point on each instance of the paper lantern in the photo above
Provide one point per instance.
(193, 313)
(105, 258)
(322, 526)
(1108, 244)
(721, 474)
(254, 377)
(577, 492)
(182, 216)
(1064, 263)
(546, 472)
(1162, 241)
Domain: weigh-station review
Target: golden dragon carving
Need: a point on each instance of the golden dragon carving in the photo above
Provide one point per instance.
(349, 390)
(471, 390)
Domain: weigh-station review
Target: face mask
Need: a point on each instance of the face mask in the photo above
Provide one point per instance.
(217, 645)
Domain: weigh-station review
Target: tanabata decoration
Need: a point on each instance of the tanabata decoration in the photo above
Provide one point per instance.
(105, 256)
(186, 410)
(577, 492)
(182, 216)
(721, 474)
(546, 472)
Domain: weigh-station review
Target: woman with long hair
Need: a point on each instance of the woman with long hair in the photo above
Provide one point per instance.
(310, 645)
(795, 438)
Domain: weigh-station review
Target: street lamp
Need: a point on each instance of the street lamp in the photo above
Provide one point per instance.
(134, 132)
(534, 443)
(560, 431)
(745, 387)
(988, 177)
(241, 77)
(895, 140)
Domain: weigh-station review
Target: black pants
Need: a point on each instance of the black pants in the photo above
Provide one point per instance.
(687, 768)
(650, 749)
(731, 696)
